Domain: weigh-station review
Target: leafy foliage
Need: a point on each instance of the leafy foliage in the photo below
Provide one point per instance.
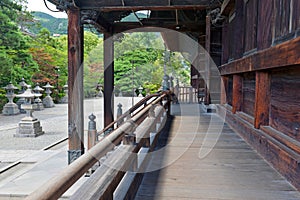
(139, 61)
(16, 61)
(42, 58)
(54, 25)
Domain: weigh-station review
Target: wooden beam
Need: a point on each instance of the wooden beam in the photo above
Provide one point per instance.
(262, 99)
(237, 96)
(108, 79)
(224, 89)
(162, 8)
(285, 54)
(119, 27)
(239, 30)
(227, 7)
(135, 5)
(207, 62)
(75, 83)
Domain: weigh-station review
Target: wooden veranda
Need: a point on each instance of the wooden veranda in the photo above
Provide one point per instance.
(255, 46)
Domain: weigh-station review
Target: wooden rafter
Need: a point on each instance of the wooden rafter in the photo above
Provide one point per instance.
(143, 5)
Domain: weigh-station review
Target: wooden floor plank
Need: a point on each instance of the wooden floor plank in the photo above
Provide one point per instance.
(232, 170)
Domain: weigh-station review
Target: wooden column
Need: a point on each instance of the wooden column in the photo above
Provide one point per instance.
(262, 99)
(75, 83)
(225, 42)
(224, 88)
(238, 38)
(207, 63)
(108, 79)
(237, 96)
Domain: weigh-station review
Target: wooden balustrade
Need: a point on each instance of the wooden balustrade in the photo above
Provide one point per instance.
(120, 159)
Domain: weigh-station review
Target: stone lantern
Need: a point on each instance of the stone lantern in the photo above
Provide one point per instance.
(166, 85)
(23, 86)
(48, 101)
(38, 90)
(140, 91)
(10, 108)
(65, 98)
(21, 101)
(171, 83)
(29, 126)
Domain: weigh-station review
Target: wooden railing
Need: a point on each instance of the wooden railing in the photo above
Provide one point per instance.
(186, 94)
(103, 183)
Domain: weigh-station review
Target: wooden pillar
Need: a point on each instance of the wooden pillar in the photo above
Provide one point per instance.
(225, 42)
(75, 83)
(207, 63)
(108, 79)
(224, 89)
(262, 99)
(237, 96)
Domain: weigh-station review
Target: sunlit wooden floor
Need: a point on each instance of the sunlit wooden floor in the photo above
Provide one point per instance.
(232, 169)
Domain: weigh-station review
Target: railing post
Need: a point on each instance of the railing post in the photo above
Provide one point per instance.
(130, 139)
(119, 113)
(169, 105)
(190, 94)
(92, 131)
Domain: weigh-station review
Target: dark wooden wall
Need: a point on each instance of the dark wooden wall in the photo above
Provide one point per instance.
(261, 69)
(248, 93)
(250, 19)
(285, 101)
(255, 25)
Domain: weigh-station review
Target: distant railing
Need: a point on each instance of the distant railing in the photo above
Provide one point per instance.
(103, 183)
(187, 94)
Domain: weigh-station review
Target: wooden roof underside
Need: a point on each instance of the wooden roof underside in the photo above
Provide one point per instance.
(181, 15)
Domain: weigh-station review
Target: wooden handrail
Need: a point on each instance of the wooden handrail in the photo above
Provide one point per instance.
(59, 184)
(131, 110)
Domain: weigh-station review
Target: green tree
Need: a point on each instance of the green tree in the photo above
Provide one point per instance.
(14, 45)
(93, 63)
(51, 55)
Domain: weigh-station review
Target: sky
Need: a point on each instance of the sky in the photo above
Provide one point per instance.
(38, 5)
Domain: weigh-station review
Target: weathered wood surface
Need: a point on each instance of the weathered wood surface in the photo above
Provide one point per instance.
(238, 30)
(250, 25)
(296, 15)
(225, 43)
(232, 170)
(227, 6)
(262, 99)
(237, 93)
(281, 55)
(264, 24)
(75, 81)
(100, 184)
(229, 90)
(285, 101)
(108, 46)
(136, 4)
(282, 20)
(248, 93)
(276, 148)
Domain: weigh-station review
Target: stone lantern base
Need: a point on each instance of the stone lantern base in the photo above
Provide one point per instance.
(29, 126)
(48, 102)
(39, 106)
(19, 103)
(29, 129)
(10, 109)
(64, 99)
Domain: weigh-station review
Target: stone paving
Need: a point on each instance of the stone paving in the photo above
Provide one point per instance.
(54, 123)
(22, 158)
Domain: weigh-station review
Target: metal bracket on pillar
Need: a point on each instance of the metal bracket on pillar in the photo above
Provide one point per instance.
(63, 5)
(73, 155)
(92, 17)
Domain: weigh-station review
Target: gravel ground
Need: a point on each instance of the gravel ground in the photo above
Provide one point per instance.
(54, 122)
